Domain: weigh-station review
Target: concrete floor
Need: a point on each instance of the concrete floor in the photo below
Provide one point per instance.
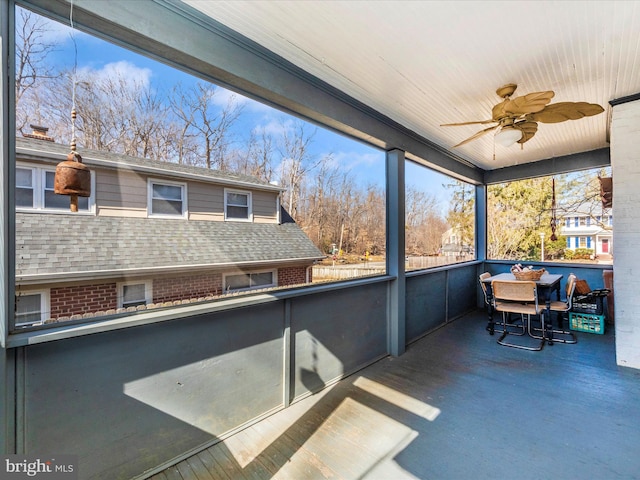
(456, 405)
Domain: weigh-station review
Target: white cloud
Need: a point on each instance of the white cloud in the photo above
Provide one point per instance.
(354, 160)
(223, 96)
(274, 127)
(126, 70)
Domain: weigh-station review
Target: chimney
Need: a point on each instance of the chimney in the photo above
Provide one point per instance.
(39, 133)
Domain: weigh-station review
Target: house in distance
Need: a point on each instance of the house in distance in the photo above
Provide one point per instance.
(152, 234)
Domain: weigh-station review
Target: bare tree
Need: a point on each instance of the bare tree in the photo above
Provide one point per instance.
(32, 68)
(297, 161)
(254, 158)
(424, 224)
(197, 111)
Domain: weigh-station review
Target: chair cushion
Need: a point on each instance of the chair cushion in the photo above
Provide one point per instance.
(514, 307)
(558, 306)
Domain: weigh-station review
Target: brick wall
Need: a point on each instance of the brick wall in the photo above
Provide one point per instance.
(292, 276)
(80, 299)
(185, 288)
(625, 148)
(86, 299)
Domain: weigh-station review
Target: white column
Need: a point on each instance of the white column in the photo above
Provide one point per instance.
(625, 152)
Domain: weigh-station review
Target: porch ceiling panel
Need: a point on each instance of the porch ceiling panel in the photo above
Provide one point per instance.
(427, 63)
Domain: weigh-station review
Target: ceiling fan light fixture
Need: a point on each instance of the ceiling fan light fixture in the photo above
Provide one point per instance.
(508, 136)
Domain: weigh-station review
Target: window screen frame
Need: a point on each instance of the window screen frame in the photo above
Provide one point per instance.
(39, 185)
(148, 291)
(44, 307)
(249, 206)
(151, 182)
(226, 276)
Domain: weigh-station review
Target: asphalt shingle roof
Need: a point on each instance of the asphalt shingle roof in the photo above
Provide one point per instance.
(51, 244)
(55, 152)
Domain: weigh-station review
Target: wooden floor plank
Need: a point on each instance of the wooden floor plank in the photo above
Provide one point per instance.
(226, 461)
(300, 462)
(323, 446)
(243, 457)
(173, 473)
(200, 469)
(158, 476)
(184, 468)
(441, 410)
(259, 451)
(271, 454)
(212, 465)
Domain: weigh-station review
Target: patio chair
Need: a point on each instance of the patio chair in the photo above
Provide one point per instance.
(521, 297)
(518, 324)
(562, 308)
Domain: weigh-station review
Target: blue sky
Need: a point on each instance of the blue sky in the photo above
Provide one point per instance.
(365, 162)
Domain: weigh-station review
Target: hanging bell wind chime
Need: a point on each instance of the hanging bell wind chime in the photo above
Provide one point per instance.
(554, 221)
(73, 177)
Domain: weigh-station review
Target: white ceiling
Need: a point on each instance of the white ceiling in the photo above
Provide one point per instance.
(425, 63)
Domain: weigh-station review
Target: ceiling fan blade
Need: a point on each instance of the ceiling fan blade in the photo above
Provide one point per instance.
(476, 135)
(479, 122)
(528, 130)
(530, 103)
(563, 111)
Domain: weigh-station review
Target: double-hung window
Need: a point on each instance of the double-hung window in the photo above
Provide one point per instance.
(34, 191)
(167, 199)
(237, 205)
(25, 187)
(249, 281)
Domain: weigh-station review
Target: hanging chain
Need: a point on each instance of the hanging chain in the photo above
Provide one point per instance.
(553, 222)
(74, 82)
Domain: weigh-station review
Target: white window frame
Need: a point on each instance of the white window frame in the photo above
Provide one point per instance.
(249, 205)
(38, 179)
(148, 291)
(274, 280)
(156, 181)
(45, 308)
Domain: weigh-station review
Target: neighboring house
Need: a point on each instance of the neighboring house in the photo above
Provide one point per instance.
(452, 245)
(151, 234)
(587, 230)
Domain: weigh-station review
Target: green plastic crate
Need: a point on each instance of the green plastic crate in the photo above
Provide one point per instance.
(584, 322)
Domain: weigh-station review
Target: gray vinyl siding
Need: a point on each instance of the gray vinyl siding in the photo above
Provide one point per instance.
(264, 207)
(206, 201)
(121, 192)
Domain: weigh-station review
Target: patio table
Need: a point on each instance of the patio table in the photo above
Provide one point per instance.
(547, 284)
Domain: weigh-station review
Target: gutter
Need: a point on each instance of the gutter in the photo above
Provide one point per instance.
(65, 277)
(35, 154)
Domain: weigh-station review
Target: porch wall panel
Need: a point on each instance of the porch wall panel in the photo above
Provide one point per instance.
(438, 296)
(426, 303)
(129, 400)
(336, 333)
(461, 287)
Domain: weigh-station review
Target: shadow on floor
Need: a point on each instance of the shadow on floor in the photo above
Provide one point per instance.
(455, 406)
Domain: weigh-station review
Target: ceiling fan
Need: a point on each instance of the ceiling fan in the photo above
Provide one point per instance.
(517, 119)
